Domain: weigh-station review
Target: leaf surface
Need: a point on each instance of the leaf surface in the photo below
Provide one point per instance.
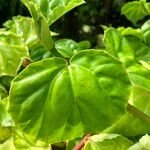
(136, 10)
(54, 9)
(51, 112)
(107, 141)
(11, 57)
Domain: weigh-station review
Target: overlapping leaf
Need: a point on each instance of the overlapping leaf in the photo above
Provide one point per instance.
(132, 125)
(9, 145)
(117, 46)
(54, 9)
(45, 12)
(12, 53)
(143, 144)
(22, 26)
(136, 10)
(51, 112)
(107, 141)
(126, 48)
(67, 47)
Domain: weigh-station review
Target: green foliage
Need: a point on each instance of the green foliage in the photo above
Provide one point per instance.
(136, 10)
(143, 144)
(90, 66)
(52, 9)
(12, 53)
(107, 141)
(67, 48)
(58, 90)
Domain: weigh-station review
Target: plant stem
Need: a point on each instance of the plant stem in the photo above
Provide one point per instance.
(137, 113)
(26, 62)
(80, 145)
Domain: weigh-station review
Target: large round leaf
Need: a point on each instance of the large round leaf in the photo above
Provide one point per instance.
(55, 101)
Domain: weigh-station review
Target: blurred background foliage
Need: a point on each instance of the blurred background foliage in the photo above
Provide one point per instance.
(81, 23)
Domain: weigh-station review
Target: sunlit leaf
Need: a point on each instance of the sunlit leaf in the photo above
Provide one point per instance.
(143, 144)
(11, 57)
(54, 9)
(136, 10)
(131, 125)
(95, 81)
(107, 141)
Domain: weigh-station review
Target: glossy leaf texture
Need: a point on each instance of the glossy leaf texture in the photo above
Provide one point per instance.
(52, 10)
(58, 101)
(12, 53)
(136, 10)
(108, 141)
(67, 47)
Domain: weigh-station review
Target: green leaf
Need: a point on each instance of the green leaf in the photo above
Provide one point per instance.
(24, 142)
(39, 52)
(146, 31)
(140, 75)
(41, 26)
(141, 50)
(9, 145)
(66, 47)
(126, 48)
(52, 10)
(5, 133)
(22, 26)
(51, 112)
(136, 10)
(3, 92)
(140, 98)
(11, 57)
(5, 118)
(113, 41)
(107, 141)
(143, 144)
(131, 32)
(45, 12)
(118, 46)
(84, 45)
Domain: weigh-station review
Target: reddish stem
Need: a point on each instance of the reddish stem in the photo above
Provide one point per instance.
(26, 62)
(80, 145)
